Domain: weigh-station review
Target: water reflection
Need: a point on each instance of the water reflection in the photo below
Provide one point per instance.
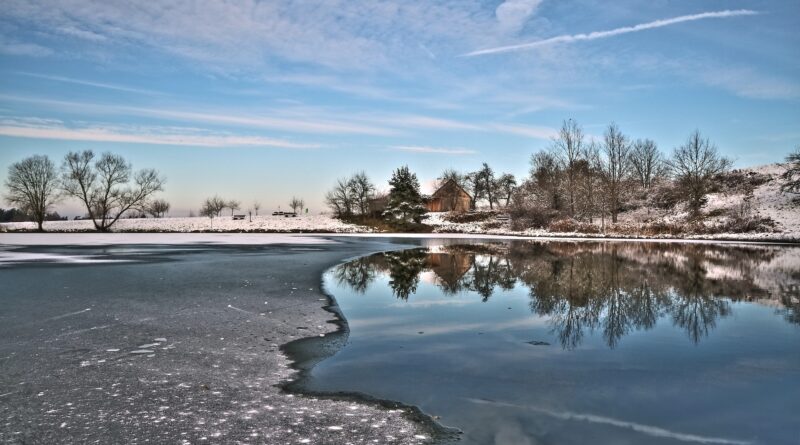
(610, 288)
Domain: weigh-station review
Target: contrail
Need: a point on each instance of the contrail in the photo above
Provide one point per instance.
(569, 38)
(638, 427)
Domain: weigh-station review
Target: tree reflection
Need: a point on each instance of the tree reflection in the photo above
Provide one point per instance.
(404, 268)
(359, 274)
(610, 288)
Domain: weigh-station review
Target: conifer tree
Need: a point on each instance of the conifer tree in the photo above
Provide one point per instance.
(405, 201)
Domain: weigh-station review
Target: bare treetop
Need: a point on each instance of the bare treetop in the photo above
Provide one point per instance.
(694, 164)
(647, 162)
(33, 185)
(103, 185)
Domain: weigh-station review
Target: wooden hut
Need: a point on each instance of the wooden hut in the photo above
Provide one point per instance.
(450, 197)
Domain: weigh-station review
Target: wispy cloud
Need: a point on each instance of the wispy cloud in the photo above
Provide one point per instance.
(570, 38)
(353, 88)
(107, 86)
(14, 48)
(417, 121)
(746, 82)
(512, 14)
(535, 132)
(427, 51)
(300, 123)
(54, 129)
(433, 150)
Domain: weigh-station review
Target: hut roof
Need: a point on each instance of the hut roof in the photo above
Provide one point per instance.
(447, 184)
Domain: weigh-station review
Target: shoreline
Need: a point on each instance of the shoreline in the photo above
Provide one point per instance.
(305, 353)
(35, 237)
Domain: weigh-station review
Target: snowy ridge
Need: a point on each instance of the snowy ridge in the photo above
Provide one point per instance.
(767, 201)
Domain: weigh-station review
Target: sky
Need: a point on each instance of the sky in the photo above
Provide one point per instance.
(267, 100)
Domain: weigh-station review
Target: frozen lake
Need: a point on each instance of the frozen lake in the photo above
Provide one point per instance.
(557, 342)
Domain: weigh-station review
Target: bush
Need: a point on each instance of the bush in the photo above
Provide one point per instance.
(740, 180)
(469, 217)
(756, 224)
(492, 225)
(532, 217)
(716, 212)
(380, 224)
(570, 225)
(662, 228)
(665, 196)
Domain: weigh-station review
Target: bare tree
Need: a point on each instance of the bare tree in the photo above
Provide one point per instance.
(589, 168)
(296, 203)
(486, 185)
(33, 185)
(103, 185)
(454, 175)
(339, 199)
(792, 173)
(158, 208)
(219, 204)
(506, 184)
(256, 206)
(616, 167)
(647, 162)
(361, 190)
(568, 147)
(546, 175)
(233, 205)
(694, 164)
(213, 207)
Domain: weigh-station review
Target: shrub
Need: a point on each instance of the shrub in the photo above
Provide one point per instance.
(570, 225)
(380, 224)
(468, 217)
(662, 228)
(755, 224)
(532, 217)
(492, 225)
(740, 180)
(665, 196)
(716, 212)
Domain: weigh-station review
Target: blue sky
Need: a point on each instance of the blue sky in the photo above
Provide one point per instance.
(265, 100)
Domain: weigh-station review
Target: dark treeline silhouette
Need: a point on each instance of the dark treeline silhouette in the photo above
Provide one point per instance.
(611, 288)
(18, 215)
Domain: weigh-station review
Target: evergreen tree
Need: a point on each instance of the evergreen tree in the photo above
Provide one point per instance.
(405, 201)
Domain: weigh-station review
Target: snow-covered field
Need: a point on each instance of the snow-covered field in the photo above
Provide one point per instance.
(304, 223)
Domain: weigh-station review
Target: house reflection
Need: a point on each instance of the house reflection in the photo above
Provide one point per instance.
(611, 288)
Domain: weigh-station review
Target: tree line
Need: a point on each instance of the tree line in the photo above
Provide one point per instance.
(576, 177)
(585, 179)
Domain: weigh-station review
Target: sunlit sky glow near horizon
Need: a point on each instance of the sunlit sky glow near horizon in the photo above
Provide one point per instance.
(265, 100)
